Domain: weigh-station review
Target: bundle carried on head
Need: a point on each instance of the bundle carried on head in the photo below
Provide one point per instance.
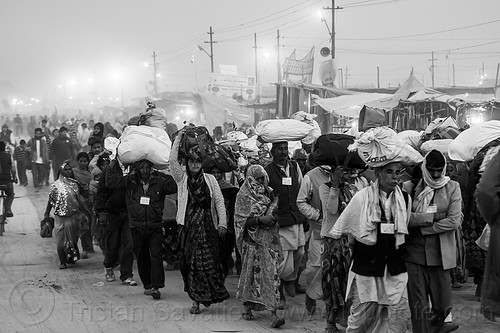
(279, 130)
(332, 149)
(380, 146)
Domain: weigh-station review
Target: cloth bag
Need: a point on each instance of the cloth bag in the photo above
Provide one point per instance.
(468, 143)
(332, 149)
(380, 146)
(279, 130)
(144, 142)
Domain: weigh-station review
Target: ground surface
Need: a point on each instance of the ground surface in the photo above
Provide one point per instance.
(35, 296)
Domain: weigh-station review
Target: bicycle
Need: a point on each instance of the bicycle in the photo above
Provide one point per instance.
(3, 218)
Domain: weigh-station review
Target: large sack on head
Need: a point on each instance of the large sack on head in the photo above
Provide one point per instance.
(308, 118)
(279, 130)
(439, 145)
(468, 143)
(196, 138)
(332, 149)
(144, 142)
(413, 138)
(371, 118)
(380, 146)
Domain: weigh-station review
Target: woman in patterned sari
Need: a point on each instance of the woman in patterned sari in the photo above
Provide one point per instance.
(257, 239)
(336, 253)
(69, 213)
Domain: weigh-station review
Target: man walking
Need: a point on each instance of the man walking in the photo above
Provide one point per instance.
(146, 191)
(7, 177)
(285, 178)
(111, 207)
(39, 148)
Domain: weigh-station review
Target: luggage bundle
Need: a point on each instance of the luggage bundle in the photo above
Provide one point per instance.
(197, 140)
(46, 227)
(332, 149)
(380, 146)
(468, 143)
(308, 118)
(280, 130)
(146, 138)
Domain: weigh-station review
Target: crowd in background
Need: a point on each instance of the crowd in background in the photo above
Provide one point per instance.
(272, 223)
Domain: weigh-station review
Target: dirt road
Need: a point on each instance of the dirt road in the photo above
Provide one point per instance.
(35, 296)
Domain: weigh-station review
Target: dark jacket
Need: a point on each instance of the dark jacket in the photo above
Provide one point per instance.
(288, 212)
(5, 168)
(143, 216)
(110, 200)
(370, 260)
(61, 150)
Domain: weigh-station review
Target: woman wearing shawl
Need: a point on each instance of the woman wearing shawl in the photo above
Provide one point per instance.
(69, 212)
(257, 239)
(83, 176)
(336, 253)
(431, 247)
(202, 215)
(377, 218)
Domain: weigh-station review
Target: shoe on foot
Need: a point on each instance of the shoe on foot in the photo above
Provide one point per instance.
(449, 327)
(147, 292)
(277, 322)
(299, 289)
(155, 293)
(289, 287)
(310, 305)
(8, 213)
(62, 266)
(110, 274)
(129, 282)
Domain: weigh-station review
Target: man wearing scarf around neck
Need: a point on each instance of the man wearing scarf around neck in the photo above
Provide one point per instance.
(431, 247)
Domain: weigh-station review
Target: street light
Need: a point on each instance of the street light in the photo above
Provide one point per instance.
(211, 56)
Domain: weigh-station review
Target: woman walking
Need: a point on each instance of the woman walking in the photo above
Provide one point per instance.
(258, 240)
(69, 210)
(202, 215)
(336, 253)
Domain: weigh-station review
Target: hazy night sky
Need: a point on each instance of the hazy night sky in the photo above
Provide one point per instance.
(102, 45)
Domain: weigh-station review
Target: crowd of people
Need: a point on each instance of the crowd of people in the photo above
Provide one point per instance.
(377, 245)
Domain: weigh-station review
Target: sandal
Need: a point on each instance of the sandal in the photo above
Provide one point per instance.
(248, 315)
(277, 322)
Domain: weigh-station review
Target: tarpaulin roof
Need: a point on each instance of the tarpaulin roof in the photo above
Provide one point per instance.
(348, 105)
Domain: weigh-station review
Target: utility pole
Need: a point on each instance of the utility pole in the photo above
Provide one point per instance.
(256, 68)
(211, 49)
(453, 66)
(341, 79)
(346, 70)
(483, 70)
(278, 55)
(432, 67)
(155, 74)
(496, 82)
(333, 8)
(378, 77)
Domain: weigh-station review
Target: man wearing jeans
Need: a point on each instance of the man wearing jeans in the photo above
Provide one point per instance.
(111, 206)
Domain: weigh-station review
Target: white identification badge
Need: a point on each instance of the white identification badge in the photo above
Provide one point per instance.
(387, 228)
(144, 201)
(286, 181)
(432, 209)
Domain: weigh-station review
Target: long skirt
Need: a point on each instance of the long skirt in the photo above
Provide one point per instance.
(258, 286)
(67, 229)
(336, 259)
(200, 263)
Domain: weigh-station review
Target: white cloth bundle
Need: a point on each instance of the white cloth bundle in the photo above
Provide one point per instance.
(440, 145)
(144, 142)
(468, 143)
(380, 146)
(279, 130)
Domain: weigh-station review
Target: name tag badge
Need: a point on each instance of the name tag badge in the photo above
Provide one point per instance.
(387, 228)
(144, 201)
(287, 181)
(432, 209)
